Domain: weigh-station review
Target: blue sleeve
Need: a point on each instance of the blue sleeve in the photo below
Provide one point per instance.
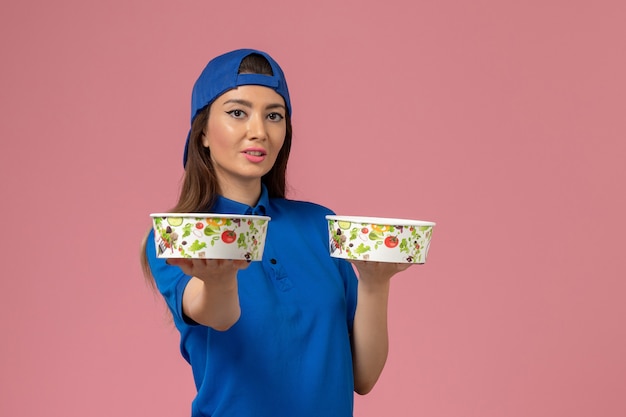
(351, 285)
(170, 281)
(350, 282)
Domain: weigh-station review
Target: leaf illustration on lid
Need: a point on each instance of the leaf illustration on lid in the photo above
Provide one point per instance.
(362, 249)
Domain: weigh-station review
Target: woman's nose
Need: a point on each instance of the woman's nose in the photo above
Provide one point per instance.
(256, 127)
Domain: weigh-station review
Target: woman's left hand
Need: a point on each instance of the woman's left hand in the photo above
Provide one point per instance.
(382, 271)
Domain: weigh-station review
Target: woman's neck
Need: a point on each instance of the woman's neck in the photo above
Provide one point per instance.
(245, 193)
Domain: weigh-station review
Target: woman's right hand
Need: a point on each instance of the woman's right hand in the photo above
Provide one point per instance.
(209, 269)
(211, 297)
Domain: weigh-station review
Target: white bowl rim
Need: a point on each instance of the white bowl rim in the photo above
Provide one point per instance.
(212, 216)
(380, 220)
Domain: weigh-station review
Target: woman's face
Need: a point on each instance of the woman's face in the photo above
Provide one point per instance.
(245, 131)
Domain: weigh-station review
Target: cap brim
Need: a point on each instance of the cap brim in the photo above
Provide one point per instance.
(186, 149)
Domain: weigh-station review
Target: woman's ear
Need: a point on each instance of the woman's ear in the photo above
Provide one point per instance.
(205, 140)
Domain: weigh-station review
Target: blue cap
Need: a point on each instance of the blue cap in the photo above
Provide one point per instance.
(221, 75)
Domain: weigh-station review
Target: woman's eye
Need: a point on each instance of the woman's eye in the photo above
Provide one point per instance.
(237, 114)
(275, 117)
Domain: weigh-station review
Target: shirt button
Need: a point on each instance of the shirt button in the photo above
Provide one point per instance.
(273, 261)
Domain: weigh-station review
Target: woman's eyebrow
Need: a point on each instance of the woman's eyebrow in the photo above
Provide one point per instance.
(249, 104)
(239, 101)
(276, 106)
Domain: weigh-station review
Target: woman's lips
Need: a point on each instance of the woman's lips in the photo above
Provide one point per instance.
(255, 155)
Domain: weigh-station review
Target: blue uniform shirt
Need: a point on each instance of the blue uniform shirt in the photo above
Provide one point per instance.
(289, 353)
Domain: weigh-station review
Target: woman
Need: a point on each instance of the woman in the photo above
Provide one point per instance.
(284, 336)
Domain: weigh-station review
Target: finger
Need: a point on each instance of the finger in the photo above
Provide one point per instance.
(241, 264)
(404, 267)
(176, 261)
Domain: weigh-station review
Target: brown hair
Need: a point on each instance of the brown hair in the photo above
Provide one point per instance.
(200, 186)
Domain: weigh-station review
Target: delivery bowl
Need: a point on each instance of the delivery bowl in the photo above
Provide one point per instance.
(209, 236)
(379, 239)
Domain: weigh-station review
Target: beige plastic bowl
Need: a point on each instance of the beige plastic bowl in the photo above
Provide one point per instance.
(379, 239)
(210, 236)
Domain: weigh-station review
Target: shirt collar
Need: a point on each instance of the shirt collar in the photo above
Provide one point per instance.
(224, 205)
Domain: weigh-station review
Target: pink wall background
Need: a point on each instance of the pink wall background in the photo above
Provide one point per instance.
(503, 121)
